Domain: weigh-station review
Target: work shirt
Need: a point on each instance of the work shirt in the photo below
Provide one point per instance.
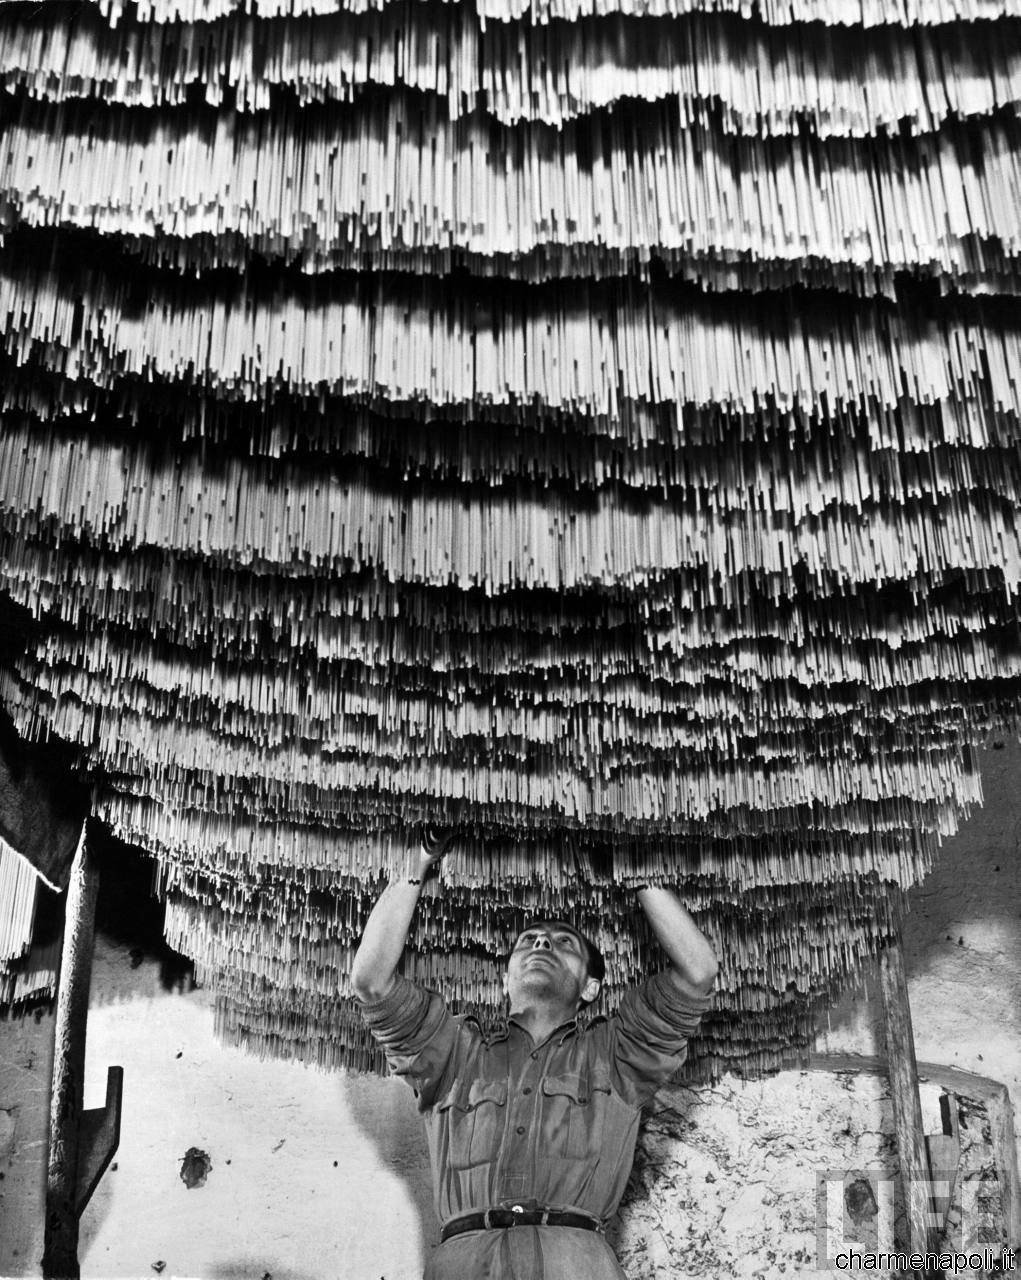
(550, 1125)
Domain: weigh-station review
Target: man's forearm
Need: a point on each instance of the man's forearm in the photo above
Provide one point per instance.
(386, 932)
(692, 961)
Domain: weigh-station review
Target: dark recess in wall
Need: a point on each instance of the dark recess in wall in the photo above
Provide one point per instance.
(128, 910)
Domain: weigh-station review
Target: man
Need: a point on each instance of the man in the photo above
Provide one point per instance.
(532, 1129)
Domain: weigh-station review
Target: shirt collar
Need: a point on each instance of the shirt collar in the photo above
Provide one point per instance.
(564, 1031)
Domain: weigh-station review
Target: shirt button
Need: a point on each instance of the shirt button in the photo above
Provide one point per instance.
(526, 1091)
(520, 1129)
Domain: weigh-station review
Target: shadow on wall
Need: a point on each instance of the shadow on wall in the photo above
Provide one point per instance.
(129, 913)
(967, 913)
(396, 1132)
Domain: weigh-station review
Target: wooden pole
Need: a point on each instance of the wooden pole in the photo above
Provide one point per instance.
(1001, 1123)
(907, 1105)
(60, 1254)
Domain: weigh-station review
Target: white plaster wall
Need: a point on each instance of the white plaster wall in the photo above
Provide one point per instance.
(303, 1164)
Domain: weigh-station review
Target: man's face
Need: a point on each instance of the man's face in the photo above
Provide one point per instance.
(549, 962)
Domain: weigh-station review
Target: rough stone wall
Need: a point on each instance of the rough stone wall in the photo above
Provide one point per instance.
(725, 1178)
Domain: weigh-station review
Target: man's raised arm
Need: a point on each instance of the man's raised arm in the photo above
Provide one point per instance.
(692, 961)
(386, 930)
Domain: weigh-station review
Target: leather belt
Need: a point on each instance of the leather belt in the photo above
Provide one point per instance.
(518, 1216)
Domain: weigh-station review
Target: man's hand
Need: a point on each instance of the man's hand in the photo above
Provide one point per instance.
(435, 843)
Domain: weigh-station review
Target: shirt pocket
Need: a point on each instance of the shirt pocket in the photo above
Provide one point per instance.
(474, 1113)
(574, 1115)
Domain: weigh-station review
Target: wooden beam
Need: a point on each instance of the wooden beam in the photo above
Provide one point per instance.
(1001, 1124)
(60, 1254)
(902, 1069)
(954, 1079)
(42, 805)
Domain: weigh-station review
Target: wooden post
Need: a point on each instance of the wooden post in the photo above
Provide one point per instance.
(1001, 1122)
(907, 1105)
(60, 1255)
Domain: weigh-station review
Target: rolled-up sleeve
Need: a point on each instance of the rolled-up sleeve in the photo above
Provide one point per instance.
(418, 1034)
(652, 1026)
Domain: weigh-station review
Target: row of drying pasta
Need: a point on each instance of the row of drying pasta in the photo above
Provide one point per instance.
(760, 79)
(394, 175)
(868, 13)
(581, 349)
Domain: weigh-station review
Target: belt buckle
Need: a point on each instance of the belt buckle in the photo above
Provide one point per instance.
(503, 1217)
(511, 1215)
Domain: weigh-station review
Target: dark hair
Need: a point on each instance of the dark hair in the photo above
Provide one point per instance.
(596, 963)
